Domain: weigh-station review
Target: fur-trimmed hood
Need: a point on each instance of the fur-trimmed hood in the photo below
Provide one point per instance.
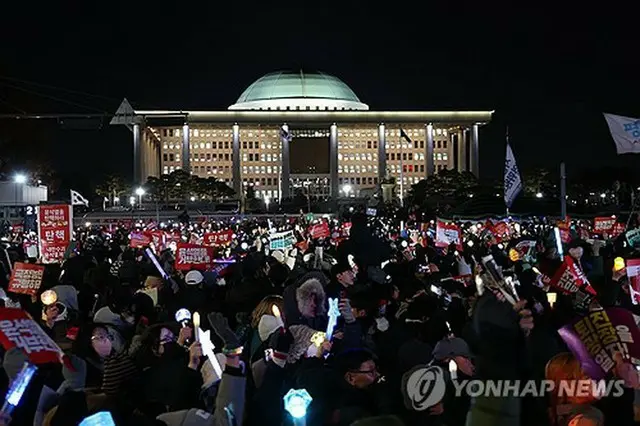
(309, 290)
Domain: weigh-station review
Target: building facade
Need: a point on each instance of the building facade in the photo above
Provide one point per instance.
(293, 132)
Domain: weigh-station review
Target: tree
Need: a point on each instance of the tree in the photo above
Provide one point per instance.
(538, 180)
(444, 184)
(113, 186)
(181, 185)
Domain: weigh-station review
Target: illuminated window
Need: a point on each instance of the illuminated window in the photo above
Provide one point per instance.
(177, 132)
(196, 133)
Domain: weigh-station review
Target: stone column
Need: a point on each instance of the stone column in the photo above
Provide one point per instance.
(429, 163)
(285, 137)
(236, 177)
(462, 151)
(186, 149)
(475, 151)
(137, 154)
(382, 153)
(333, 160)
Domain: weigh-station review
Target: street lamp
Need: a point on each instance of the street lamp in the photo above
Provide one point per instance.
(132, 201)
(539, 195)
(20, 178)
(603, 195)
(267, 200)
(140, 193)
(346, 189)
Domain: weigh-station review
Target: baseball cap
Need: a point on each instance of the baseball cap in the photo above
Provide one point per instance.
(193, 277)
(451, 347)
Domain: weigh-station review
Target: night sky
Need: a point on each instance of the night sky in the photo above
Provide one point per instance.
(548, 72)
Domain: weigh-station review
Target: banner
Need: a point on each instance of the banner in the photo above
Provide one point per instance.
(625, 132)
(618, 229)
(447, 233)
(55, 228)
(512, 180)
(594, 339)
(192, 256)
(319, 230)
(17, 329)
(219, 238)
(569, 279)
(525, 249)
(26, 278)
(602, 225)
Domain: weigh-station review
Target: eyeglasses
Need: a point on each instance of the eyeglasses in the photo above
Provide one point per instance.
(372, 371)
(101, 337)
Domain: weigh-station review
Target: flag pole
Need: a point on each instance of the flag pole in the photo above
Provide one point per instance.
(401, 171)
(507, 205)
(563, 192)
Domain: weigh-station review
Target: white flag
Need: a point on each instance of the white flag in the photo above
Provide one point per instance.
(512, 180)
(78, 200)
(625, 132)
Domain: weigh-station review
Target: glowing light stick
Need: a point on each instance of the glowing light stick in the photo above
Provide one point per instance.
(208, 347)
(618, 264)
(183, 316)
(196, 326)
(154, 260)
(556, 233)
(551, 298)
(453, 369)
(333, 314)
(49, 297)
(296, 403)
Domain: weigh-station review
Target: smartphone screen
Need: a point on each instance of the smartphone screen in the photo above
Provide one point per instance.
(103, 418)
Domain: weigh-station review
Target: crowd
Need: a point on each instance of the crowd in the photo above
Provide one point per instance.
(135, 334)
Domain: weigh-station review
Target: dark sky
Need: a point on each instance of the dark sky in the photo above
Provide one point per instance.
(548, 70)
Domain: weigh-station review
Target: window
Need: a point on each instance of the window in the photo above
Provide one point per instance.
(214, 145)
(226, 145)
(208, 156)
(171, 158)
(444, 144)
(165, 157)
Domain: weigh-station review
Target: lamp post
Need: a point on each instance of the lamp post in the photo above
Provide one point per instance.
(18, 179)
(140, 192)
(346, 189)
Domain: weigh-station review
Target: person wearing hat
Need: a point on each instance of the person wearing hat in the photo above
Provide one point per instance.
(193, 296)
(342, 277)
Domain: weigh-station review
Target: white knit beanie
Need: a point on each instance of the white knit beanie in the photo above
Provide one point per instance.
(267, 325)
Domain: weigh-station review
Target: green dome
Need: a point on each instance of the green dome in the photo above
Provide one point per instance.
(298, 91)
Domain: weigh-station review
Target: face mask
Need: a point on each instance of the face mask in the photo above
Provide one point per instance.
(102, 347)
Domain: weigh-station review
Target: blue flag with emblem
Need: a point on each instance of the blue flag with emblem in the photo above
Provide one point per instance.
(512, 180)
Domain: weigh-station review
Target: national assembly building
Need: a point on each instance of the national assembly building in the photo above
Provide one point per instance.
(291, 130)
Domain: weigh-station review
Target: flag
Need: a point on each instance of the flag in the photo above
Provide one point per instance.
(284, 134)
(405, 136)
(78, 200)
(512, 180)
(625, 132)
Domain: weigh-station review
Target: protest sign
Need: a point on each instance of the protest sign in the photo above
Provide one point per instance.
(603, 225)
(633, 237)
(319, 230)
(192, 256)
(595, 338)
(282, 240)
(219, 238)
(54, 231)
(569, 279)
(17, 329)
(26, 278)
(447, 233)
(633, 273)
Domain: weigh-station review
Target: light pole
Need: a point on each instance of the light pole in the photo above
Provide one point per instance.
(19, 179)
(346, 189)
(140, 192)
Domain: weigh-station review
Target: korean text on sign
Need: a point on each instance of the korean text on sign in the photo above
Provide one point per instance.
(26, 278)
(602, 339)
(18, 330)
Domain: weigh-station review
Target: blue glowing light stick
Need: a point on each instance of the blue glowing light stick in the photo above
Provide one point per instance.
(333, 314)
(296, 402)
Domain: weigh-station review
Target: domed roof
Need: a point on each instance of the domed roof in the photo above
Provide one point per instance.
(284, 90)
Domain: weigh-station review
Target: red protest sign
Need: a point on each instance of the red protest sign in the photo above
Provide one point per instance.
(633, 273)
(219, 238)
(603, 225)
(26, 278)
(54, 231)
(447, 233)
(319, 230)
(159, 240)
(570, 279)
(17, 329)
(192, 256)
(346, 229)
(139, 240)
(618, 229)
